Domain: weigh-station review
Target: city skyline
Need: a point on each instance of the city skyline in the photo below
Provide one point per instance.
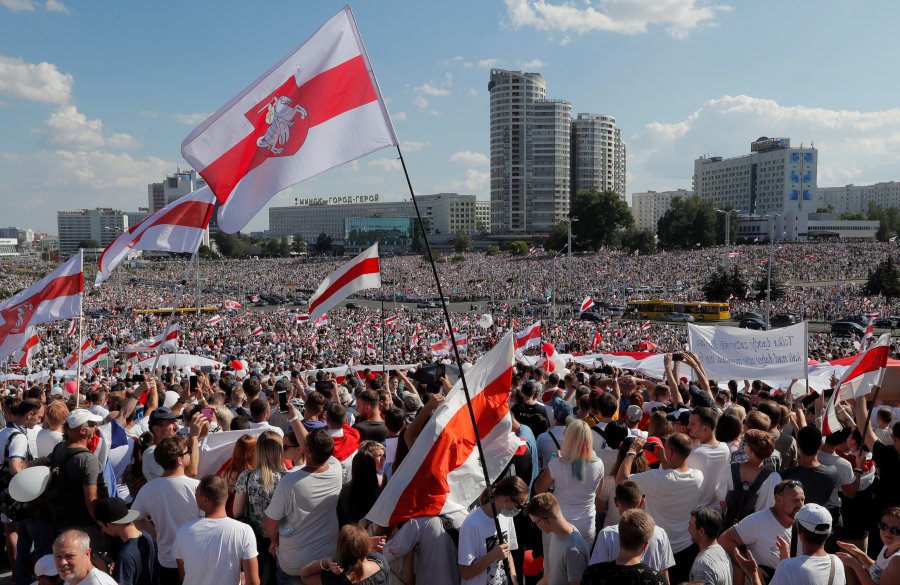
(95, 99)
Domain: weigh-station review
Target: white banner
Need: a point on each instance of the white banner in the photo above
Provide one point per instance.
(731, 353)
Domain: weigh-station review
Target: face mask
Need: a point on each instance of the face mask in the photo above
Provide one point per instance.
(510, 513)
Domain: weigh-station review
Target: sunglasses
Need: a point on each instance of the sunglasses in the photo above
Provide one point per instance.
(892, 530)
(787, 485)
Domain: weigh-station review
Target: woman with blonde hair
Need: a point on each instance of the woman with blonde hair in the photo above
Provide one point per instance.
(576, 475)
(252, 493)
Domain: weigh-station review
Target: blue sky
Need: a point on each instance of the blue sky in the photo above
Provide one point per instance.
(96, 96)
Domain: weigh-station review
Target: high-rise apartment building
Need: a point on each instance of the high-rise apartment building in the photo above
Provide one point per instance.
(773, 178)
(648, 207)
(856, 198)
(598, 154)
(178, 185)
(102, 225)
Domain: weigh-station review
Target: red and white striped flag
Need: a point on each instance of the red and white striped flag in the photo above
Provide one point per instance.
(867, 336)
(462, 342)
(857, 380)
(256, 331)
(177, 227)
(215, 319)
(160, 342)
(586, 304)
(93, 355)
(301, 318)
(390, 321)
(22, 357)
(441, 348)
(645, 326)
(56, 296)
(72, 359)
(732, 254)
(321, 321)
(529, 337)
(414, 340)
(231, 305)
(361, 273)
(318, 108)
(598, 339)
(892, 239)
(370, 350)
(442, 472)
(72, 327)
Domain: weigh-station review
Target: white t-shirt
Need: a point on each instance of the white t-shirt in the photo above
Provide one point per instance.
(608, 494)
(576, 497)
(170, 502)
(759, 531)
(845, 474)
(150, 468)
(304, 504)
(265, 425)
(19, 446)
(212, 549)
(670, 497)
(435, 555)
(881, 564)
(96, 577)
(547, 449)
(806, 570)
(712, 566)
(477, 536)
(46, 441)
(765, 497)
(713, 462)
(658, 555)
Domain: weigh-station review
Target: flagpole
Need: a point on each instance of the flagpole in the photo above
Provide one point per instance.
(383, 340)
(462, 375)
(179, 291)
(865, 428)
(78, 368)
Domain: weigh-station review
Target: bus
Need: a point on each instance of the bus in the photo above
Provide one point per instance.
(659, 308)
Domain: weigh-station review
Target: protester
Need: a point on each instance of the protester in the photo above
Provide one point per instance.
(355, 562)
(72, 554)
(635, 530)
(135, 562)
(567, 556)
(712, 565)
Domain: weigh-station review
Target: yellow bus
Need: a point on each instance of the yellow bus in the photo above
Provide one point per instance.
(659, 308)
(165, 311)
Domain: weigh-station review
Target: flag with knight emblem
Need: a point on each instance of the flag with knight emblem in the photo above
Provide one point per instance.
(318, 108)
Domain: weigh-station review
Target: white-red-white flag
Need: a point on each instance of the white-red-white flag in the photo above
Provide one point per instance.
(165, 340)
(256, 331)
(72, 359)
(318, 108)
(441, 348)
(586, 304)
(56, 296)
(231, 305)
(177, 227)
(870, 332)
(321, 322)
(645, 326)
(529, 337)
(93, 355)
(301, 318)
(370, 350)
(215, 319)
(72, 326)
(22, 357)
(857, 380)
(390, 321)
(361, 273)
(414, 340)
(442, 472)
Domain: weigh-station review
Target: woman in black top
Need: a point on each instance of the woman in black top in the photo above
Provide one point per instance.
(356, 563)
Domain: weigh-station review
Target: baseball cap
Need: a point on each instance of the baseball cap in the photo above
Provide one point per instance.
(682, 416)
(45, 567)
(81, 416)
(114, 511)
(634, 413)
(561, 409)
(282, 385)
(170, 399)
(161, 416)
(815, 518)
(651, 458)
(344, 395)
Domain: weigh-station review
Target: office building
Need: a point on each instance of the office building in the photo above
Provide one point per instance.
(101, 225)
(856, 198)
(174, 186)
(598, 154)
(9, 247)
(773, 178)
(800, 226)
(648, 207)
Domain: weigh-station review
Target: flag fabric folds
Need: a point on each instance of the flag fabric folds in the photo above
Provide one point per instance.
(56, 296)
(177, 227)
(165, 340)
(442, 472)
(72, 359)
(857, 380)
(358, 274)
(586, 304)
(22, 356)
(93, 355)
(319, 107)
(529, 337)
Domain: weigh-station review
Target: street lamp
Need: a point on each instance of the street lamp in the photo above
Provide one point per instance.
(770, 223)
(571, 220)
(727, 226)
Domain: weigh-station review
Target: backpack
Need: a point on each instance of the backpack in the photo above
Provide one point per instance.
(740, 502)
(50, 502)
(13, 509)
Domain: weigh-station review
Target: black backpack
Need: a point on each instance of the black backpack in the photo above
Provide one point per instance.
(13, 509)
(50, 501)
(740, 502)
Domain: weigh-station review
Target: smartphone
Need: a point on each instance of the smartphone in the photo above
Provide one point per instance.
(194, 380)
(206, 369)
(677, 357)
(208, 413)
(650, 447)
(137, 378)
(743, 549)
(808, 401)
(282, 401)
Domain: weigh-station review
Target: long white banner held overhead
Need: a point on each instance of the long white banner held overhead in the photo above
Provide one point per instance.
(731, 353)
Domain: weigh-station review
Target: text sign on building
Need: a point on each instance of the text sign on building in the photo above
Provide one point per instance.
(336, 200)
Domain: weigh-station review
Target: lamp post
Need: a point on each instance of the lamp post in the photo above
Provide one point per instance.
(728, 226)
(771, 225)
(571, 220)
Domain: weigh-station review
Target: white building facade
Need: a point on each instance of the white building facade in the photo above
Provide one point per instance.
(174, 186)
(102, 225)
(598, 154)
(856, 198)
(648, 207)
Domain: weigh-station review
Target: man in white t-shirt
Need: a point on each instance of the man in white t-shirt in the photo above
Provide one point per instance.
(709, 456)
(670, 492)
(215, 549)
(815, 567)
(712, 565)
(72, 555)
(566, 558)
(760, 532)
(658, 555)
(168, 502)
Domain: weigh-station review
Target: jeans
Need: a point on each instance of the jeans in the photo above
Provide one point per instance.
(39, 533)
(283, 578)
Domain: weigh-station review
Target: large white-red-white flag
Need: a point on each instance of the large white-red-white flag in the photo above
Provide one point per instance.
(586, 304)
(22, 356)
(56, 296)
(93, 355)
(177, 227)
(318, 108)
(358, 274)
(72, 359)
(231, 305)
(165, 340)
(857, 380)
(442, 472)
(529, 337)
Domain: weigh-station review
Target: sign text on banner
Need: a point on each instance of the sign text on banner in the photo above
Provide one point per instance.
(730, 353)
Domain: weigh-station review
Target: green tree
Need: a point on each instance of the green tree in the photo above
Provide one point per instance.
(762, 283)
(558, 237)
(323, 243)
(298, 246)
(493, 250)
(827, 209)
(229, 245)
(688, 223)
(206, 253)
(723, 285)
(884, 280)
(518, 248)
(463, 243)
(852, 215)
(284, 249)
(88, 244)
(640, 241)
(599, 219)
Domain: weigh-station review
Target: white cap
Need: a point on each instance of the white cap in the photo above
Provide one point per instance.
(170, 399)
(815, 518)
(45, 567)
(81, 416)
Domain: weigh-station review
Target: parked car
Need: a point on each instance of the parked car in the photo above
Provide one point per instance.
(858, 319)
(886, 322)
(847, 328)
(591, 316)
(748, 315)
(752, 323)
(783, 319)
(678, 317)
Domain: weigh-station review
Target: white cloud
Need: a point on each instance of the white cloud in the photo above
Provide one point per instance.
(474, 182)
(350, 167)
(19, 5)
(490, 63)
(858, 147)
(192, 119)
(398, 116)
(66, 127)
(533, 64)
(473, 91)
(385, 164)
(679, 17)
(420, 103)
(469, 158)
(413, 145)
(56, 6)
(39, 82)
(432, 90)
